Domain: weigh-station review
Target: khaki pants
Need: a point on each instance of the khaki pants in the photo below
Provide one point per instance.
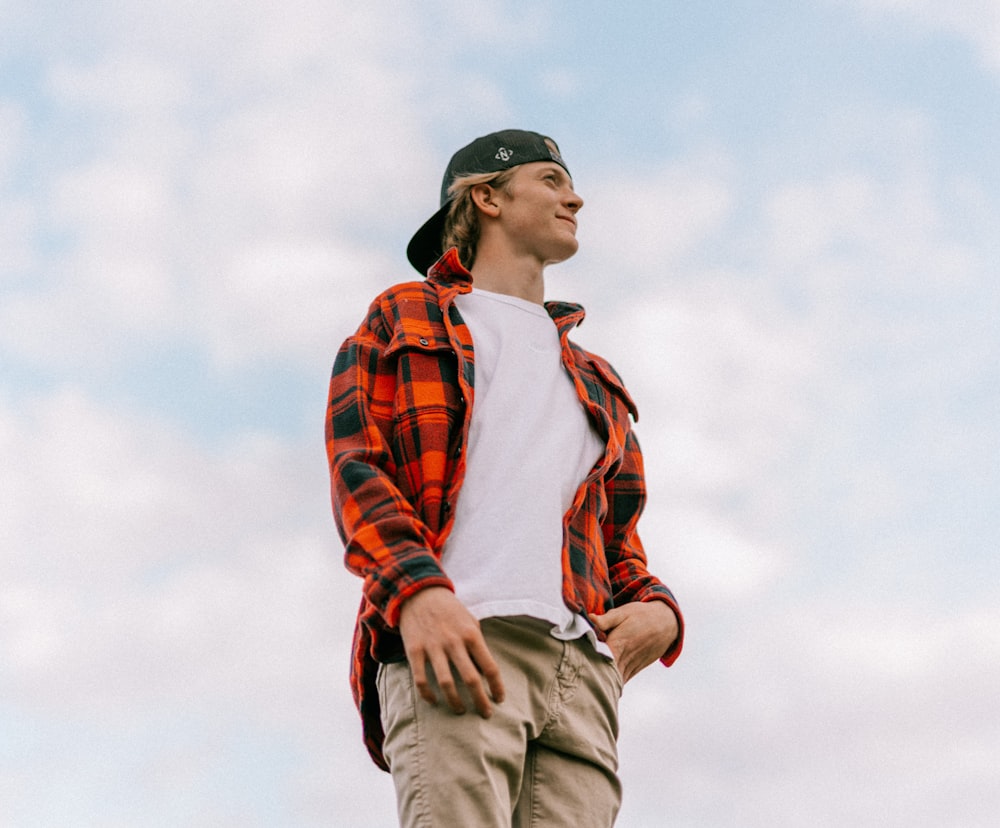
(546, 758)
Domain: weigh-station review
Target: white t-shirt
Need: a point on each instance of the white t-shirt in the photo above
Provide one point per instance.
(530, 447)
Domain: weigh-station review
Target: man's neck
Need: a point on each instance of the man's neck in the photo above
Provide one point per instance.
(520, 279)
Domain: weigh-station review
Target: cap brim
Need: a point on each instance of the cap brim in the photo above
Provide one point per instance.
(425, 247)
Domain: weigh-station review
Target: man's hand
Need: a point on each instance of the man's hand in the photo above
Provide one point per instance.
(638, 633)
(438, 630)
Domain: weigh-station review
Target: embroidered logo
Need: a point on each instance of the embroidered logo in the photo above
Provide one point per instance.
(553, 150)
(504, 154)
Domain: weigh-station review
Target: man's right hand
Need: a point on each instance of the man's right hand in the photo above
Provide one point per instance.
(438, 630)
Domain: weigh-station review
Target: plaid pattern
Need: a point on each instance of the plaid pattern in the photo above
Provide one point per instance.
(399, 407)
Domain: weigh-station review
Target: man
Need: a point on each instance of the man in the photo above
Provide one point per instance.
(487, 485)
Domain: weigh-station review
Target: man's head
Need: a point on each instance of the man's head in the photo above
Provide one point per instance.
(487, 160)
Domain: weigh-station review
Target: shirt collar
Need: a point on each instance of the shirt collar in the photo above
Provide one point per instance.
(566, 315)
(448, 270)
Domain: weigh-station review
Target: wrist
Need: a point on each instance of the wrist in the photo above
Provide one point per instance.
(394, 608)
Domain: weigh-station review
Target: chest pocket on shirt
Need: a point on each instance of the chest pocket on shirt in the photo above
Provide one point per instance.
(427, 415)
(426, 371)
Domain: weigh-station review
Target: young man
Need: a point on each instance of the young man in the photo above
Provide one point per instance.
(487, 485)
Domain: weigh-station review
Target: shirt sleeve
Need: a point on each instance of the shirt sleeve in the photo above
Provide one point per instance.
(627, 564)
(385, 541)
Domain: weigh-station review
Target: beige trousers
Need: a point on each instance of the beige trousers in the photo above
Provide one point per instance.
(547, 757)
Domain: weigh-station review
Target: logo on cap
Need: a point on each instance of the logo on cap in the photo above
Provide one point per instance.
(553, 150)
(504, 154)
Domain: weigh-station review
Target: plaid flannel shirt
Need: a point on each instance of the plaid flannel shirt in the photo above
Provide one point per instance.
(398, 415)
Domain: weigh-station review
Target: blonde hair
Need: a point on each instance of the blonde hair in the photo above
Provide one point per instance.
(461, 225)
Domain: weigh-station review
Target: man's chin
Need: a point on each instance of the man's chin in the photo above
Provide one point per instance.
(567, 251)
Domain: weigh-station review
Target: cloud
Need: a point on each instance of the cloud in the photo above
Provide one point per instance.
(800, 362)
(826, 712)
(17, 214)
(179, 599)
(812, 356)
(483, 20)
(125, 542)
(294, 300)
(168, 581)
(650, 221)
(129, 84)
(722, 387)
(192, 178)
(12, 134)
(560, 83)
(976, 21)
(220, 164)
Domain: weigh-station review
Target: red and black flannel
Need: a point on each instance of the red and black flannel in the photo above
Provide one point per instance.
(400, 402)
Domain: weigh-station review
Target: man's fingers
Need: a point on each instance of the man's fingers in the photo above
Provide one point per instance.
(464, 675)
(599, 621)
(480, 701)
(482, 667)
(490, 671)
(608, 620)
(639, 634)
(495, 683)
(446, 681)
(440, 634)
(419, 669)
(475, 665)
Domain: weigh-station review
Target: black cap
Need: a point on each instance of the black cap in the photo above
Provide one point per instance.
(492, 153)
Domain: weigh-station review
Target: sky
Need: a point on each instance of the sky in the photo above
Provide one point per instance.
(789, 250)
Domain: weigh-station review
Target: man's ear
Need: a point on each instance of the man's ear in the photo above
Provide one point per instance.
(484, 197)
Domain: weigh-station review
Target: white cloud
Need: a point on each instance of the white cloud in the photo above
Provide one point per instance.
(897, 226)
(130, 84)
(125, 542)
(789, 401)
(144, 579)
(239, 159)
(810, 371)
(648, 222)
(690, 111)
(722, 391)
(209, 589)
(188, 207)
(501, 23)
(710, 562)
(560, 83)
(17, 214)
(825, 712)
(12, 136)
(977, 21)
(17, 222)
(296, 299)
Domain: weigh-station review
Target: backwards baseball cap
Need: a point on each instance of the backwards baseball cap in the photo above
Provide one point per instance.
(492, 153)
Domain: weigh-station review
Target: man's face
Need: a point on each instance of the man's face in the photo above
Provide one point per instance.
(538, 212)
